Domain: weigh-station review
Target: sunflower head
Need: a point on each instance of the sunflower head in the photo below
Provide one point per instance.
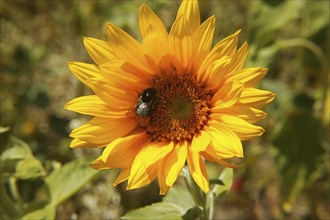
(168, 101)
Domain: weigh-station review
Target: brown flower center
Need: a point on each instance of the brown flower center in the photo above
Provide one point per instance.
(181, 110)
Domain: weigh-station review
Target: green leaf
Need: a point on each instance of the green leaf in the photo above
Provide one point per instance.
(4, 129)
(299, 143)
(192, 213)
(19, 161)
(319, 11)
(15, 150)
(265, 20)
(263, 56)
(61, 184)
(282, 102)
(67, 180)
(161, 210)
(227, 178)
(29, 168)
(46, 213)
(9, 208)
(180, 196)
(216, 182)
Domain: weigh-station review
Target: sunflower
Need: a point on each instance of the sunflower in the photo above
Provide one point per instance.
(169, 101)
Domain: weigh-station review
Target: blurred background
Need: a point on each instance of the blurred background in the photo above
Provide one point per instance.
(286, 172)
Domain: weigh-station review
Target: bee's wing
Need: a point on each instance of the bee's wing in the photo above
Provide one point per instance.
(132, 110)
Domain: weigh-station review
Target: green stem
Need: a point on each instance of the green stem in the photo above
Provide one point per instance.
(191, 188)
(200, 199)
(211, 202)
(205, 210)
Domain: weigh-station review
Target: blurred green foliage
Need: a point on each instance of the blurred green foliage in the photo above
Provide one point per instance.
(286, 172)
(178, 203)
(18, 163)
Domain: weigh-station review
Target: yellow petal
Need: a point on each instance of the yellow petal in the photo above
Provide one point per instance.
(211, 155)
(103, 130)
(119, 74)
(200, 141)
(127, 48)
(153, 153)
(251, 115)
(256, 98)
(243, 129)
(84, 72)
(170, 166)
(94, 106)
(223, 140)
(227, 95)
(121, 152)
(159, 53)
(112, 95)
(141, 178)
(124, 174)
(238, 59)
(226, 47)
(203, 38)
(115, 97)
(198, 171)
(190, 10)
(216, 72)
(181, 45)
(99, 50)
(116, 90)
(144, 163)
(175, 162)
(181, 28)
(98, 164)
(249, 76)
(163, 189)
(80, 143)
(147, 17)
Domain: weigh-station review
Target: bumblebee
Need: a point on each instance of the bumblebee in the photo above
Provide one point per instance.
(145, 102)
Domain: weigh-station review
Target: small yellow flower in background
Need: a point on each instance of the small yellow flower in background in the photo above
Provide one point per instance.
(168, 101)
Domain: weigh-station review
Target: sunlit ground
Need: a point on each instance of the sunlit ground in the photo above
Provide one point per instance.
(286, 172)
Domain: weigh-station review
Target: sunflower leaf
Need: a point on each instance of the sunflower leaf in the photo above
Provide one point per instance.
(160, 210)
(226, 177)
(48, 212)
(72, 177)
(29, 168)
(216, 182)
(192, 213)
(180, 196)
(15, 150)
(19, 161)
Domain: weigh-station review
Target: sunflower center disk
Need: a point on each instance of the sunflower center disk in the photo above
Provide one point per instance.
(181, 110)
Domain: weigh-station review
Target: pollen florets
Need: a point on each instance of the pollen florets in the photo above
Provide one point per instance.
(182, 108)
